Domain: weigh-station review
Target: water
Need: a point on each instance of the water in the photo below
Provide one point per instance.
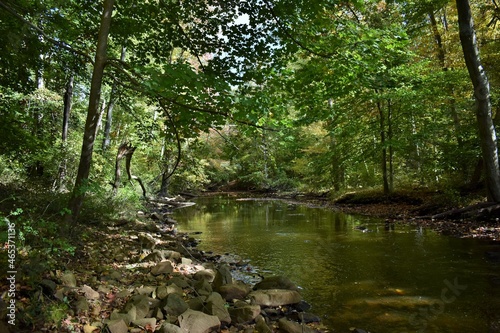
(383, 279)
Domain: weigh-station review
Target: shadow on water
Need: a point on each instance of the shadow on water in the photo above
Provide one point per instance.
(357, 271)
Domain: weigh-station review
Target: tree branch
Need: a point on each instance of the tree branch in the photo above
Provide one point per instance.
(54, 41)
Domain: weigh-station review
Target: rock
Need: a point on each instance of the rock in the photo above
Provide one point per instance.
(206, 274)
(155, 256)
(197, 322)
(275, 282)
(222, 277)
(163, 291)
(302, 306)
(216, 306)
(186, 261)
(147, 241)
(117, 326)
(177, 280)
(172, 255)
(288, 326)
(164, 267)
(89, 293)
(305, 317)
(244, 314)
(175, 305)
(197, 303)
(203, 287)
(274, 297)
(145, 322)
(143, 305)
(68, 279)
(147, 290)
(261, 325)
(234, 291)
(81, 305)
(169, 328)
(48, 286)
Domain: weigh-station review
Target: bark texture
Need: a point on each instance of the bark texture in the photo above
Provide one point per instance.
(487, 133)
(93, 112)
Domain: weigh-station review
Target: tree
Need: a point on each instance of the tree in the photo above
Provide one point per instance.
(487, 133)
(89, 134)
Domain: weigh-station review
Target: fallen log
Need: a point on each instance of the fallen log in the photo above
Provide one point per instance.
(479, 208)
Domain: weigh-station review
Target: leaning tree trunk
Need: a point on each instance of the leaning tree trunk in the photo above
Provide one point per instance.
(78, 194)
(109, 114)
(487, 133)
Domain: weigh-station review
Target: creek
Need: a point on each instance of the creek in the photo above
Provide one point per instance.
(357, 271)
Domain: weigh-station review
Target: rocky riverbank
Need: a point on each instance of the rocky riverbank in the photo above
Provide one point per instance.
(144, 276)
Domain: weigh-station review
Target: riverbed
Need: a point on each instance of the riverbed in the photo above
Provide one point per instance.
(357, 271)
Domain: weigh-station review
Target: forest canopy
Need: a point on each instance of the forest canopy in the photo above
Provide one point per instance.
(307, 96)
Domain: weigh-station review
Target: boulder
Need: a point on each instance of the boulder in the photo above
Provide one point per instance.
(216, 306)
(175, 305)
(163, 291)
(274, 297)
(169, 328)
(244, 314)
(206, 274)
(117, 326)
(287, 326)
(275, 282)
(222, 277)
(261, 325)
(233, 291)
(197, 322)
(164, 267)
(203, 287)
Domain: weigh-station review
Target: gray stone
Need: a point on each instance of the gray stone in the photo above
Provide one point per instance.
(222, 277)
(147, 241)
(197, 322)
(117, 326)
(179, 281)
(169, 328)
(163, 291)
(216, 305)
(89, 293)
(144, 322)
(275, 282)
(206, 274)
(197, 303)
(261, 325)
(287, 326)
(274, 297)
(164, 267)
(233, 291)
(155, 256)
(175, 305)
(244, 314)
(147, 290)
(203, 287)
(68, 279)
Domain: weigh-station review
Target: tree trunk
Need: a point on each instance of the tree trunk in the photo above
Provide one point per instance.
(68, 99)
(109, 114)
(487, 133)
(384, 149)
(78, 194)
